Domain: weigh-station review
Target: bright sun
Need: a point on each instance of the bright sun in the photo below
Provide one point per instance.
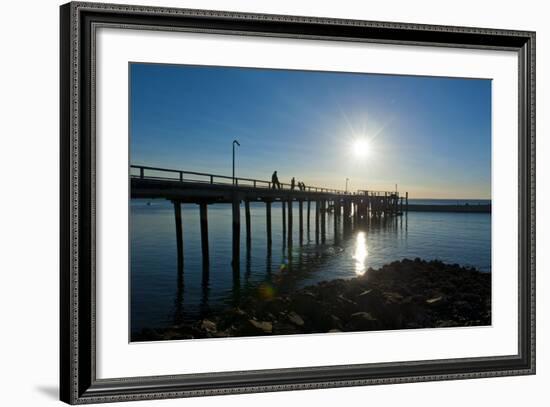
(361, 148)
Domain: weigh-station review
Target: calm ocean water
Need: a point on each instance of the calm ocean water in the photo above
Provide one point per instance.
(450, 201)
(160, 296)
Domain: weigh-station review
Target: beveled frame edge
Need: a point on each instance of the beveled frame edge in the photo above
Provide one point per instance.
(78, 384)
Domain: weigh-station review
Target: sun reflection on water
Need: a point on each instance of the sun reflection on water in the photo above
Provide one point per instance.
(361, 253)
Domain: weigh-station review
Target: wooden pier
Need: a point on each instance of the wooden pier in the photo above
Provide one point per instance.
(188, 187)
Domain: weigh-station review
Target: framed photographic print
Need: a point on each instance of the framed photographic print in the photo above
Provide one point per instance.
(257, 203)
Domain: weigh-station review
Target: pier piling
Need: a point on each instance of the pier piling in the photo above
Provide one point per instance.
(268, 222)
(323, 220)
(236, 232)
(301, 220)
(289, 223)
(317, 210)
(335, 220)
(204, 233)
(283, 204)
(247, 222)
(308, 215)
(179, 234)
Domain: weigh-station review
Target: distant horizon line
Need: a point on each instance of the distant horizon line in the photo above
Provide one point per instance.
(455, 199)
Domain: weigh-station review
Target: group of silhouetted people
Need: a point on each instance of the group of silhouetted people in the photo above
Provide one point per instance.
(301, 186)
(275, 184)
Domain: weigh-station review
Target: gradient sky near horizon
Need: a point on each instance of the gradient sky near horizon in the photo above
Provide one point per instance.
(429, 135)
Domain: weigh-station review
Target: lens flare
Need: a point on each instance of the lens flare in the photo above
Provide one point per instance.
(266, 291)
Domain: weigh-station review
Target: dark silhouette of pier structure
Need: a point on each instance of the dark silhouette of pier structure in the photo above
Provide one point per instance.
(189, 187)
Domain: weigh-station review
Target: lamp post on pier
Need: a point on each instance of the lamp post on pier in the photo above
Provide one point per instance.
(237, 143)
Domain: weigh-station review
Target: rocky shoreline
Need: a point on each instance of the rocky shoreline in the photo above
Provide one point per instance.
(405, 294)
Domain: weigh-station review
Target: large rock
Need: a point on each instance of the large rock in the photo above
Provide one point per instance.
(295, 319)
(435, 301)
(329, 289)
(362, 321)
(371, 301)
(353, 290)
(209, 326)
(255, 327)
(276, 306)
(304, 303)
(343, 307)
(232, 316)
(323, 321)
(285, 328)
(387, 307)
(394, 309)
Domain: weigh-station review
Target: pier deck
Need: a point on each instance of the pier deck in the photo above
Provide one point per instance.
(196, 192)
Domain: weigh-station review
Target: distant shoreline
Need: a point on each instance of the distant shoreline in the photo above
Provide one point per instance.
(465, 208)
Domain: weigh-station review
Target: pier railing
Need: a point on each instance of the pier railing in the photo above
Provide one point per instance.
(146, 172)
(370, 192)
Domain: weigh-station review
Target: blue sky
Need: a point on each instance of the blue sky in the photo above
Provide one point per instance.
(431, 136)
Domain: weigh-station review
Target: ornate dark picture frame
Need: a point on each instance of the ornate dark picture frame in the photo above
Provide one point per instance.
(78, 380)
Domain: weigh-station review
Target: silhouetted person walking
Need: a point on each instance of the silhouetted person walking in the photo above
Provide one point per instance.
(292, 184)
(275, 184)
